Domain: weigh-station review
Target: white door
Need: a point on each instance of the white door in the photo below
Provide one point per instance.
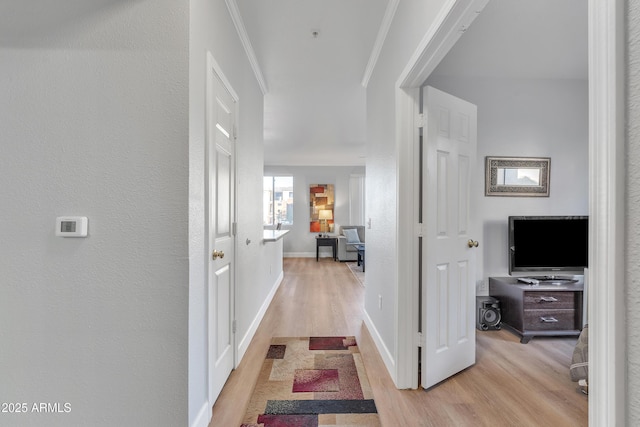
(448, 262)
(220, 180)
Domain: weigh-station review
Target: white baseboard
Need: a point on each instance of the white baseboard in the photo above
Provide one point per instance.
(248, 336)
(387, 356)
(204, 416)
(322, 254)
(299, 255)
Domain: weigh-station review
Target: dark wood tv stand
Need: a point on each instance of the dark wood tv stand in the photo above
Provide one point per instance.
(549, 308)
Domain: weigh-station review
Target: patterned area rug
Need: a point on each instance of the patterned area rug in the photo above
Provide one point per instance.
(357, 271)
(312, 382)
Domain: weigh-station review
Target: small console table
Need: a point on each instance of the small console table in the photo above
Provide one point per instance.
(549, 308)
(327, 241)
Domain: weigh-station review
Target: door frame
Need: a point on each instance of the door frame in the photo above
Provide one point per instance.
(212, 64)
(607, 370)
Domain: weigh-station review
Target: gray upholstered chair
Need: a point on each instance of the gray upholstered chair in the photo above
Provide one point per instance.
(346, 247)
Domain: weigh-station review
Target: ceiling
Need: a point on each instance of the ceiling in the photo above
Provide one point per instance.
(524, 39)
(315, 105)
(314, 108)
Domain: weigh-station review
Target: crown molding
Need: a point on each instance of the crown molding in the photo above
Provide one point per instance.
(454, 18)
(382, 35)
(246, 43)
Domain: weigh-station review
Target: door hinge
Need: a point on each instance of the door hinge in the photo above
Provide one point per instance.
(235, 132)
(419, 230)
(234, 228)
(419, 340)
(233, 327)
(420, 120)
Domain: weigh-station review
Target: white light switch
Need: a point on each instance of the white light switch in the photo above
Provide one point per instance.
(72, 226)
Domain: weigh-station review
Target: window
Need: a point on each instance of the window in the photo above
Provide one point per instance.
(277, 200)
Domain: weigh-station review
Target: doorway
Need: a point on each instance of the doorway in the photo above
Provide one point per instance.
(606, 165)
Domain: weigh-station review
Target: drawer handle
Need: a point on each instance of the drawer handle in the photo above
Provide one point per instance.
(548, 319)
(547, 299)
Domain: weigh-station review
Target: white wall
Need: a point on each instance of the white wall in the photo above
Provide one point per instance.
(213, 30)
(633, 213)
(300, 241)
(409, 26)
(357, 213)
(526, 118)
(94, 122)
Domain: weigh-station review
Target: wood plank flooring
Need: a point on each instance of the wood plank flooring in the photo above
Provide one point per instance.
(511, 384)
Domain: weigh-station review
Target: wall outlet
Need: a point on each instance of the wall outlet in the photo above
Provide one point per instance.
(481, 285)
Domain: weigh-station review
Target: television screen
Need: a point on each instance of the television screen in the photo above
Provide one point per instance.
(548, 243)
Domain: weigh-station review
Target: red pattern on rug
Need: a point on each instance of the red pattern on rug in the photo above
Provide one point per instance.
(288, 420)
(312, 381)
(331, 343)
(315, 380)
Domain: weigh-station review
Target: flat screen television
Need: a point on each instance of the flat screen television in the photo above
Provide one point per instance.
(548, 244)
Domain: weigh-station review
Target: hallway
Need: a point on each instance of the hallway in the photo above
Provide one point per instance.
(511, 383)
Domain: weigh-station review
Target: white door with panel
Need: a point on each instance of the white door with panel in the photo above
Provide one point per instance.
(449, 245)
(220, 183)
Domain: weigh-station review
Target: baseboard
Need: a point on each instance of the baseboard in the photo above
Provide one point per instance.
(387, 356)
(204, 416)
(299, 255)
(322, 254)
(248, 336)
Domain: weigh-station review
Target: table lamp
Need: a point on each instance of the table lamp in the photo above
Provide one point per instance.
(323, 216)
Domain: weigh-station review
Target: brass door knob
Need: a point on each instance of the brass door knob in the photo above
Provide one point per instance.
(473, 243)
(217, 254)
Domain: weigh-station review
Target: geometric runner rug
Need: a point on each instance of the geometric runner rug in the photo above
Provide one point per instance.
(312, 382)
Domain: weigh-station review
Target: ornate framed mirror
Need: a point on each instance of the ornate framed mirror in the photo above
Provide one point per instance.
(517, 176)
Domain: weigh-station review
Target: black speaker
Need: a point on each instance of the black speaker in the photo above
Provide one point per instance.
(489, 316)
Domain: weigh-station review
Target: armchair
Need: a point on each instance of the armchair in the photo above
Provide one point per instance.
(346, 247)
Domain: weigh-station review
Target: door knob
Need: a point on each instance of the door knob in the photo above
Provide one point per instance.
(217, 254)
(473, 243)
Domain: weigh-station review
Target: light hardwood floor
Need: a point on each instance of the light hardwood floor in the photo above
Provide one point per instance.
(511, 384)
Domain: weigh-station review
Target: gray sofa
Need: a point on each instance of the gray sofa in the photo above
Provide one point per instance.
(346, 251)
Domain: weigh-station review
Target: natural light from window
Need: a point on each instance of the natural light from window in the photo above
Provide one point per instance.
(277, 200)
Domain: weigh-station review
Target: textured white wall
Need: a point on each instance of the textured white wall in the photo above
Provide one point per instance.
(633, 212)
(94, 122)
(526, 118)
(211, 29)
(411, 23)
(300, 241)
